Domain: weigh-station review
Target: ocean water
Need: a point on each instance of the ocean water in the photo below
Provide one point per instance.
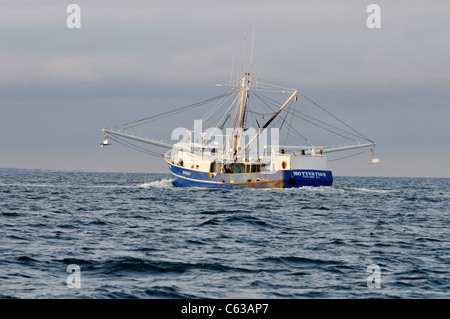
(138, 236)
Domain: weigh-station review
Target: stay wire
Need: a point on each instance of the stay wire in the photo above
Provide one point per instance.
(290, 124)
(329, 130)
(181, 109)
(323, 109)
(299, 134)
(346, 137)
(341, 158)
(134, 147)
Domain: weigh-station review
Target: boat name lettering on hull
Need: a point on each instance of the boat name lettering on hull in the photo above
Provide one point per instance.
(186, 173)
(309, 174)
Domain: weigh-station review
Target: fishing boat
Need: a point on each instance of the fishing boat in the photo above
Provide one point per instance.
(243, 148)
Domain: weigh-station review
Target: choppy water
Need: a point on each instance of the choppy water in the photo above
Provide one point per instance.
(138, 236)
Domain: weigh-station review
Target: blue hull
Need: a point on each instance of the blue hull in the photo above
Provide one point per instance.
(279, 179)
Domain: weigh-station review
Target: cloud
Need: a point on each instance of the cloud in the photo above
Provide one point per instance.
(296, 42)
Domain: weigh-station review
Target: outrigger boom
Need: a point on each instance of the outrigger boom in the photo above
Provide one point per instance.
(328, 149)
(125, 134)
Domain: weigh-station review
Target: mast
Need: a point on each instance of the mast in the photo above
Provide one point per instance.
(242, 109)
(244, 99)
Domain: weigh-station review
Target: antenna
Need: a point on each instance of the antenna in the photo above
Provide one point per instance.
(231, 75)
(243, 54)
(251, 56)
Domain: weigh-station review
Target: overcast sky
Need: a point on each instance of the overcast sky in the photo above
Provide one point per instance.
(59, 87)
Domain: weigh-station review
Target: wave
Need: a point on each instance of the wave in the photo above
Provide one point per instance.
(129, 265)
(345, 189)
(294, 260)
(25, 185)
(26, 259)
(368, 190)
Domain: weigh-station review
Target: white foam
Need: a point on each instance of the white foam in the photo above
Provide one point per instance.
(164, 183)
(365, 190)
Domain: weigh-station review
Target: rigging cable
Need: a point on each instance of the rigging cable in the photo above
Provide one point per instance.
(184, 108)
(304, 138)
(290, 124)
(324, 128)
(323, 109)
(216, 108)
(287, 113)
(313, 118)
(329, 130)
(218, 105)
(341, 158)
(134, 146)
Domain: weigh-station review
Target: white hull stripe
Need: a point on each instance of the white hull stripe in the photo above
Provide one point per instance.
(196, 180)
